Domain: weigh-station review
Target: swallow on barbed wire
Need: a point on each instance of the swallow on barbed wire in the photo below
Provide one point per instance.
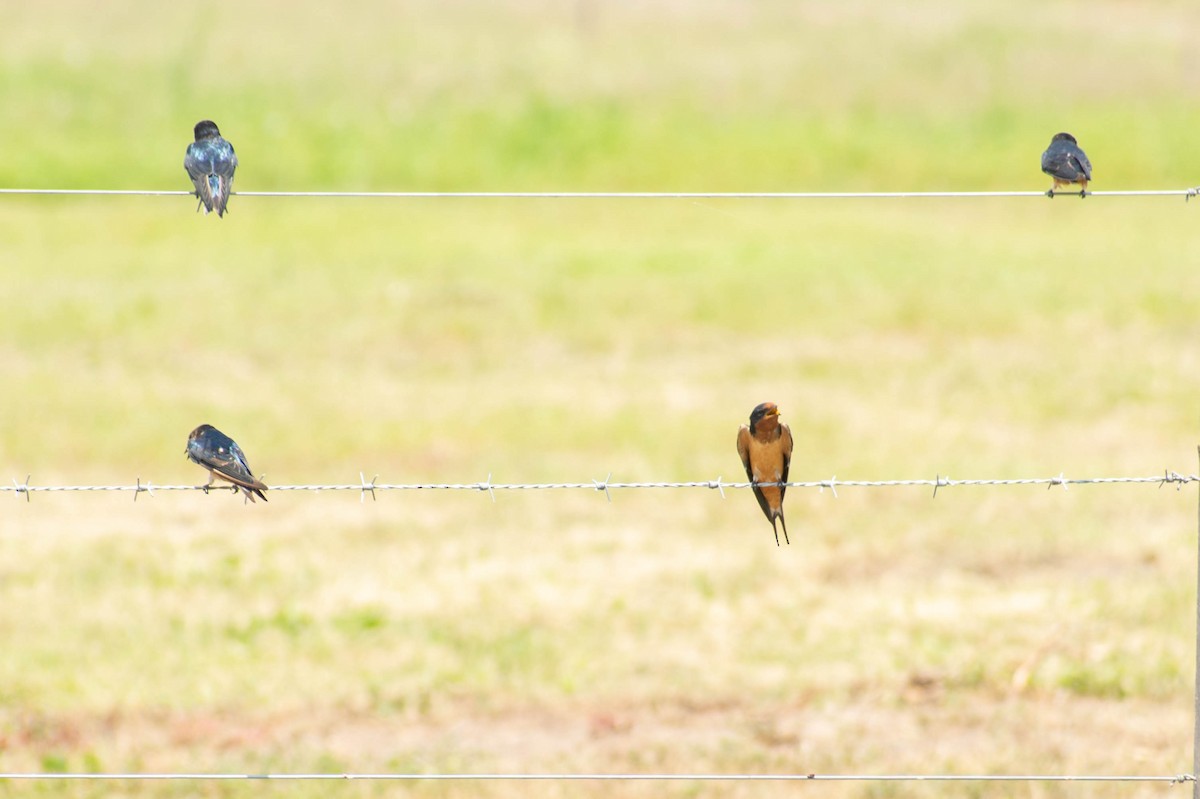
(210, 163)
(1067, 164)
(223, 458)
(765, 446)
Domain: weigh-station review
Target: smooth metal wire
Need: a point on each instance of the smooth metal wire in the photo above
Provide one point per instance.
(1186, 193)
(607, 485)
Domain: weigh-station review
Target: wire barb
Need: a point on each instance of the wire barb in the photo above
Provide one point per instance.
(1173, 477)
(22, 487)
(604, 487)
(139, 488)
(488, 488)
(717, 485)
(938, 483)
(366, 487)
(831, 484)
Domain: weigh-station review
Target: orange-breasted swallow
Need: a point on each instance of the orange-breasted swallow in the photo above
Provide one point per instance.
(223, 458)
(1067, 164)
(765, 446)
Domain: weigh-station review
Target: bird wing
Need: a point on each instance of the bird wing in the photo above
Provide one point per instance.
(224, 164)
(1054, 163)
(239, 468)
(221, 158)
(743, 447)
(1080, 162)
(1063, 161)
(198, 164)
(785, 445)
(230, 464)
(194, 164)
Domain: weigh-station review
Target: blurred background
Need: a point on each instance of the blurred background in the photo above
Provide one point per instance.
(990, 630)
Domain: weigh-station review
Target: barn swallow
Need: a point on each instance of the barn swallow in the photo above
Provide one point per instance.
(210, 163)
(765, 446)
(223, 458)
(1066, 163)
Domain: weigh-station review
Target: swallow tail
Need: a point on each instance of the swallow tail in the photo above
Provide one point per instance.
(219, 187)
(204, 190)
(250, 492)
(251, 485)
(251, 488)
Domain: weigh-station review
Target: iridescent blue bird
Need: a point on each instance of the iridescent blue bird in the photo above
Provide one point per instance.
(210, 163)
(220, 454)
(1066, 163)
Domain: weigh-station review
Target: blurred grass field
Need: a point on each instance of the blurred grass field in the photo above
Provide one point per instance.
(992, 630)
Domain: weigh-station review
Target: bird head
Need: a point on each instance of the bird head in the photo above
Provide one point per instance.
(768, 411)
(194, 445)
(1063, 137)
(206, 129)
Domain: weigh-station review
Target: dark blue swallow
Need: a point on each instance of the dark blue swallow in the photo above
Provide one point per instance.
(223, 458)
(1066, 163)
(210, 163)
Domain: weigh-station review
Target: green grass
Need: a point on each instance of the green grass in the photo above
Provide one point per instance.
(1006, 630)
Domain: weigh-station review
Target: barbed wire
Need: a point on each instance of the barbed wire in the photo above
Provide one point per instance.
(1186, 193)
(606, 777)
(608, 485)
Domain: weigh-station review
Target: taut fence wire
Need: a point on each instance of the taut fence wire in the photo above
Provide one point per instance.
(1168, 477)
(364, 487)
(602, 777)
(1186, 193)
(608, 485)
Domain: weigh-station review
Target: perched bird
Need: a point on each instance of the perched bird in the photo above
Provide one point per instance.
(210, 163)
(765, 446)
(1066, 163)
(223, 458)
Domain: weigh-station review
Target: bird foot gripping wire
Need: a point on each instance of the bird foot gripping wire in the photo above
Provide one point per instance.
(366, 487)
(1190, 193)
(234, 487)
